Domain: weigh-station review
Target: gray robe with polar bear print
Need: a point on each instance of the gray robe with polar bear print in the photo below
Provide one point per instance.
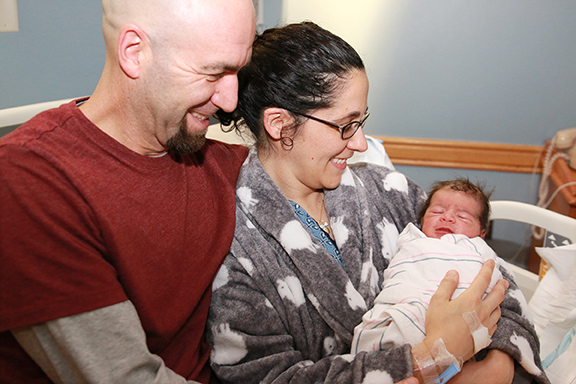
(284, 311)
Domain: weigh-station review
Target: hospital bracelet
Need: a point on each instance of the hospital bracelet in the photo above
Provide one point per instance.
(436, 366)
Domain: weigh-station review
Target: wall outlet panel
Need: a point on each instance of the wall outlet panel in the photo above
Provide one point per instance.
(8, 16)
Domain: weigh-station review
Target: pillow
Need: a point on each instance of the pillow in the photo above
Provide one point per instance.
(376, 154)
(550, 297)
(553, 306)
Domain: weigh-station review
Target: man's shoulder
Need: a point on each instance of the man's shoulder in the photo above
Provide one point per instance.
(38, 126)
(224, 152)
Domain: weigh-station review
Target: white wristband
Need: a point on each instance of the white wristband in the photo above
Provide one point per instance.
(479, 332)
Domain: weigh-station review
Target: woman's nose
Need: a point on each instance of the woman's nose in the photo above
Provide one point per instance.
(358, 142)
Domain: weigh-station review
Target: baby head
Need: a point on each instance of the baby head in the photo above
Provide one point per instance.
(456, 206)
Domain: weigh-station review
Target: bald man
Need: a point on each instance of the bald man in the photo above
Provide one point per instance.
(117, 212)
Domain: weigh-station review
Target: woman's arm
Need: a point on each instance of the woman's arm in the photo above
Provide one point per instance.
(254, 338)
(514, 339)
(444, 317)
(253, 341)
(515, 335)
(496, 368)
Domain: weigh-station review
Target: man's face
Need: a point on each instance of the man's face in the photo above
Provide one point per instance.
(196, 75)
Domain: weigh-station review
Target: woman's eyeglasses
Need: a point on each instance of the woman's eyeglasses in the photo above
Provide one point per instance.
(346, 130)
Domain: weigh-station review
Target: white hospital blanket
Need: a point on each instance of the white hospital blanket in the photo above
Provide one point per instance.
(399, 311)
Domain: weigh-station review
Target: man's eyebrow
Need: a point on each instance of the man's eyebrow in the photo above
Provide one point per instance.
(220, 68)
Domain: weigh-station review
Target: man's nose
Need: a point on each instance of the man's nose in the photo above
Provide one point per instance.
(226, 95)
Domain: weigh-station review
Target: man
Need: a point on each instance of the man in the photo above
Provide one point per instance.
(115, 213)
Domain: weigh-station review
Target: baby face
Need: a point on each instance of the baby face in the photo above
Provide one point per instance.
(452, 211)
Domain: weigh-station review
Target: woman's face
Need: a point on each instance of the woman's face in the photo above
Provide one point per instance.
(319, 156)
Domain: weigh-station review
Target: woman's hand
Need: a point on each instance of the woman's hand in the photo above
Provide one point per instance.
(496, 368)
(444, 317)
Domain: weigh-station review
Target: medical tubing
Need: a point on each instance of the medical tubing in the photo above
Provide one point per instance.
(543, 189)
(435, 366)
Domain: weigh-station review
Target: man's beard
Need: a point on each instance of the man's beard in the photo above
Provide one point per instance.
(186, 143)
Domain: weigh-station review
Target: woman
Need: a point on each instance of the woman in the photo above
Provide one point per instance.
(313, 236)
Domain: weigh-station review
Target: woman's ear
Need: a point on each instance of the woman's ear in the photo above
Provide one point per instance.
(132, 45)
(276, 120)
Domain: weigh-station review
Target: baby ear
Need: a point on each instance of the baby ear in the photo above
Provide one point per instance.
(276, 120)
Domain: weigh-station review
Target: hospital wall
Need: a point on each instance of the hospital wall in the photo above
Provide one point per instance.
(58, 52)
(475, 70)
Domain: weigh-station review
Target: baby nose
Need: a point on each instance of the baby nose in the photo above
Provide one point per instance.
(448, 217)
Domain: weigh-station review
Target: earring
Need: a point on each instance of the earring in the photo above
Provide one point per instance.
(287, 141)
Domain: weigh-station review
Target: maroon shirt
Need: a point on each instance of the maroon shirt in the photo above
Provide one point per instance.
(87, 223)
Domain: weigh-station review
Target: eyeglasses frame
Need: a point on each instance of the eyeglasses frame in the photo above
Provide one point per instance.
(341, 128)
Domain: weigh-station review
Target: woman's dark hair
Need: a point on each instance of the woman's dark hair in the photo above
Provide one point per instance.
(296, 67)
(463, 185)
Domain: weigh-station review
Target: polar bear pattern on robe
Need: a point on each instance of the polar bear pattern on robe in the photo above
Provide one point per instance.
(283, 310)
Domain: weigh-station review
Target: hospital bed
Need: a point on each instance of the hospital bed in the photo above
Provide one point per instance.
(527, 281)
(530, 214)
(12, 117)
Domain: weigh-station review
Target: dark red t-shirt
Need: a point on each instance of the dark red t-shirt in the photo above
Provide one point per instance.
(86, 223)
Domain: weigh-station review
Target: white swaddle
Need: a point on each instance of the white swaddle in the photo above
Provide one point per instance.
(412, 278)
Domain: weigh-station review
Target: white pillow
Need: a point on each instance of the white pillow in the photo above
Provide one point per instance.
(376, 154)
(554, 310)
(552, 299)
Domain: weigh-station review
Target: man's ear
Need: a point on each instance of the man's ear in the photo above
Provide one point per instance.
(275, 120)
(132, 45)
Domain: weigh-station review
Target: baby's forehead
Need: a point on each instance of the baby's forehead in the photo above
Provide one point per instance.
(449, 196)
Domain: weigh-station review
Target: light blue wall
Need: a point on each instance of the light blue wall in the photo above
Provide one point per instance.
(476, 70)
(482, 71)
(497, 71)
(272, 13)
(58, 52)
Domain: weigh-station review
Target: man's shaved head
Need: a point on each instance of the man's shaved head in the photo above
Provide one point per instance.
(154, 17)
(172, 64)
(165, 21)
